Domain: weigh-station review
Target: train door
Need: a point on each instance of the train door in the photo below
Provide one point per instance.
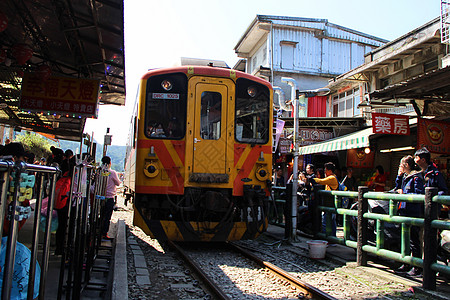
(210, 125)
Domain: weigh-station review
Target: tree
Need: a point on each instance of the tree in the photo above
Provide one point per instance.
(35, 143)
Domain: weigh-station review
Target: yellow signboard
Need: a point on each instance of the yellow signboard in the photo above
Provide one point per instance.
(72, 96)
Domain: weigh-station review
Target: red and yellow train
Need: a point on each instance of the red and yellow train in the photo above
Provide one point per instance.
(199, 156)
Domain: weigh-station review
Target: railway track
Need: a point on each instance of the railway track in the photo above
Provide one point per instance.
(292, 286)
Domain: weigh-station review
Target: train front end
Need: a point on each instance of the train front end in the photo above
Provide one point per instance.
(202, 154)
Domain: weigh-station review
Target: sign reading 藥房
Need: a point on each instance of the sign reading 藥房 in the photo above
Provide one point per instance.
(60, 94)
(390, 124)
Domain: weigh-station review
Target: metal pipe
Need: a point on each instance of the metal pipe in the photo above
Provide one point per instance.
(281, 99)
(12, 235)
(291, 82)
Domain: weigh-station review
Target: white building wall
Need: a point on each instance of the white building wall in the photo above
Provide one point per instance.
(312, 54)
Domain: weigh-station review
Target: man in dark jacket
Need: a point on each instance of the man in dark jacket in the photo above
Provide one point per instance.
(432, 176)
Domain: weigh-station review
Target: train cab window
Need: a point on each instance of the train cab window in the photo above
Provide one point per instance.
(211, 113)
(165, 109)
(252, 112)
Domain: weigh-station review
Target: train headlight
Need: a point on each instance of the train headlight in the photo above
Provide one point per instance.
(151, 170)
(166, 84)
(251, 90)
(262, 174)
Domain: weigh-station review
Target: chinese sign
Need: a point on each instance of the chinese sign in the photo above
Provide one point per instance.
(357, 158)
(390, 124)
(60, 94)
(434, 135)
(310, 136)
(285, 145)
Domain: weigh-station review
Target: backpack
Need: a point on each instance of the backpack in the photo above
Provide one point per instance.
(62, 189)
(342, 187)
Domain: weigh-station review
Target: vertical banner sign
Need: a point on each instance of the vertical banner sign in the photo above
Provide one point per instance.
(64, 95)
(390, 124)
(279, 130)
(434, 135)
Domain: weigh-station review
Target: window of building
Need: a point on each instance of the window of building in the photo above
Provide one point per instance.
(287, 55)
(345, 105)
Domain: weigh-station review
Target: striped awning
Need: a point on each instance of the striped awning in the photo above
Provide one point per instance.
(358, 139)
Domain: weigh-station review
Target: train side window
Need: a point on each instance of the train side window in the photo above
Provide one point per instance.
(252, 112)
(211, 115)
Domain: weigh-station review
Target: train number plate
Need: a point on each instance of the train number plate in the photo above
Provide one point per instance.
(165, 96)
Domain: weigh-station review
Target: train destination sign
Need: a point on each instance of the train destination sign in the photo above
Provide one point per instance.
(64, 95)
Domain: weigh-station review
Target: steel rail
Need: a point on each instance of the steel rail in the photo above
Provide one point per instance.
(205, 278)
(311, 291)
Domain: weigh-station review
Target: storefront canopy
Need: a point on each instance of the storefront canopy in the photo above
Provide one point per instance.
(358, 139)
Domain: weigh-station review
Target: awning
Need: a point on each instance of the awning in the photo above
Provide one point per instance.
(358, 139)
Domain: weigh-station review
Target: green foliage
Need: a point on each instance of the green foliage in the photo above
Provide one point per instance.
(117, 153)
(35, 143)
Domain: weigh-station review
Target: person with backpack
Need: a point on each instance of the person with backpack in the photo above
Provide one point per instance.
(331, 183)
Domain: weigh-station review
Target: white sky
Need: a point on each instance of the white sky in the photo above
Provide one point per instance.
(158, 33)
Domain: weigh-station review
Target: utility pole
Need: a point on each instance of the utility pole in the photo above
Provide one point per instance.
(106, 142)
(297, 95)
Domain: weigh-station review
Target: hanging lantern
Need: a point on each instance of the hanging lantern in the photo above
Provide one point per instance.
(22, 53)
(3, 55)
(44, 72)
(3, 21)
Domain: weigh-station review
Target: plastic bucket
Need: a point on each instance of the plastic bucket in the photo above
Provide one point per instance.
(317, 249)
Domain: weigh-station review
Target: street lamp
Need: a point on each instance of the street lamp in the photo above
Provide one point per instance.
(296, 96)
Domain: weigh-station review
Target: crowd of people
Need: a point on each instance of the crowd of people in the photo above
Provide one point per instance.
(66, 162)
(415, 173)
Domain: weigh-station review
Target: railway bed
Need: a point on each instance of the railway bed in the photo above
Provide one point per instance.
(168, 277)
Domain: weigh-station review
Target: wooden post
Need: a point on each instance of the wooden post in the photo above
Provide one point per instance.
(430, 239)
(361, 256)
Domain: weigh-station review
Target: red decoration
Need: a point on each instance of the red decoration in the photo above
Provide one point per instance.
(22, 53)
(44, 72)
(2, 55)
(3, 21)
(390, 124)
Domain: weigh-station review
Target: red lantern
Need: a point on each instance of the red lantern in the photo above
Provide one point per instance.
(3, 21)
(2, 55)
(44, 72)
(22, 53)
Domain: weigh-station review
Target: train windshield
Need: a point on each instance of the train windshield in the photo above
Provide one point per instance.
(165, 116)
(252, 112)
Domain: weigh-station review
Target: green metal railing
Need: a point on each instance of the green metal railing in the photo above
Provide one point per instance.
(429, 223)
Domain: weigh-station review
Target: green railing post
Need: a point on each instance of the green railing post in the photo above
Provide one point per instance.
(430, 239)
(405, 240)
(380, 235)
(361, 256)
